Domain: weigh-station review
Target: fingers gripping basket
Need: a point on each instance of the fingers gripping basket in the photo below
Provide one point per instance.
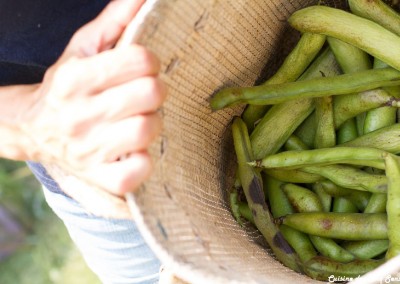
(182, 210)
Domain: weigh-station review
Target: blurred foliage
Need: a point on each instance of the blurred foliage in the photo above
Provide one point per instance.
(45, 254)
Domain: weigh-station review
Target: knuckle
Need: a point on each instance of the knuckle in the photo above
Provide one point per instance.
(149, 60)
(139, 173)
(150, 126)
(76, 38)
(83, 42)
(144, 131)
(79, 36)
(65, 69)
(146, 166)
(66, 74)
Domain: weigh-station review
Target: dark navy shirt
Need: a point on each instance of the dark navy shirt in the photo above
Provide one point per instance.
(33, 34)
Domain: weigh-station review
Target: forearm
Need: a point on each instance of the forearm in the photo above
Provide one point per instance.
(14, 102)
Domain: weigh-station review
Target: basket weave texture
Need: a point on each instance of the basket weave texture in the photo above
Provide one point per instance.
(182, 210)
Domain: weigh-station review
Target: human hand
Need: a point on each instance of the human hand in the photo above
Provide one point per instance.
(97, 104)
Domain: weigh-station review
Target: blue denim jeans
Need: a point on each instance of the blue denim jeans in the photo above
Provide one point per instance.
(113, 249)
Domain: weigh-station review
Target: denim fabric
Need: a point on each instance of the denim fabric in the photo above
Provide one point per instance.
(113, 249)
(33, 34)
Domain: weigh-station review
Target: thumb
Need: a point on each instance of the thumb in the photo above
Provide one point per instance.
(104, 31)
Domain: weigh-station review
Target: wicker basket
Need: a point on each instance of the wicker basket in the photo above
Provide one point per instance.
(183, 211)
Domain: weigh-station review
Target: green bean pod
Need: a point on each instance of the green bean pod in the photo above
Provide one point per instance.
(343, 205)
(379, 118)
(360, 121)
(377, 203)
(300, 242)
(360, 103)
(324, 198)
(278, 201)
(306, 131)
(385, 139)
(325, 135)
(362, 33)
(342, 226)
(244, 210)
(288, 116)
(281, 206)
(304, 200)
(350, 58)
(298, 60)
(347, 131)
(293, 176)
(326, 156)
(253, 189)
(297, 176)
(335, 190)
(359, 198)
(325, 86)
(349, 177)
(366, 249)
(393, 90)
(324, 65)
(234, 205)
(329, 248)
(325, 269)
(377, 11)
(393, 204)
(291, 114)
(295, 143)
(293, 66)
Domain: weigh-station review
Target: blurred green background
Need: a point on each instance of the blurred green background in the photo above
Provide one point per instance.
(35, 247)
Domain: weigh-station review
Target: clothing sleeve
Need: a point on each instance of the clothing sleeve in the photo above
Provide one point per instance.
(113, 249)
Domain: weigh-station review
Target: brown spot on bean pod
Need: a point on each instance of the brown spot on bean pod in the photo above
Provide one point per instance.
(256, 192)
(326, 224)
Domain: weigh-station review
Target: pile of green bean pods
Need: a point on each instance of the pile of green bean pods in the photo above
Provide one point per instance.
(318, 171)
